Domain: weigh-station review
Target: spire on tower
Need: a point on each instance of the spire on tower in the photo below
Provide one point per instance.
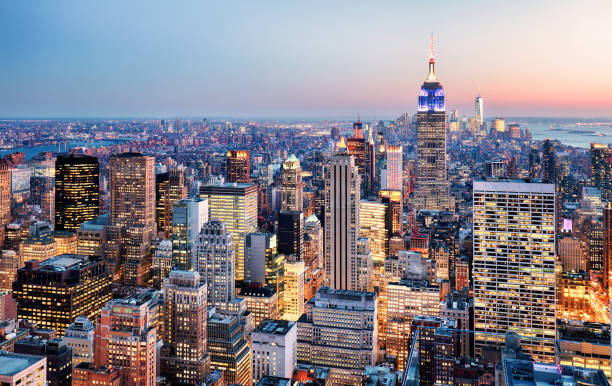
(431, 75)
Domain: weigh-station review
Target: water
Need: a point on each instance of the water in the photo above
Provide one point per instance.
(579, 132)
(32, 151)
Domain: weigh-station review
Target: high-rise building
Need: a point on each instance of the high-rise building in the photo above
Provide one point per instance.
(291, 233)
(262, 302)
(607, 246)
(5, 197)
(312, 228)
(432, 189)
(373, 225)
(293, 289)
(87, 374)
(571, 254)
(77, 191)
(52, 293)
(10, 262)
(132, 213)
(347, 325)
(132, 192)
(437, 350)
(601, 170)
(393, 201)
(259, 248)
(292, 186)
(80, 337)
(342, 196)
(514, 266)
(237, 166)
(356, 146)
(479, 109)
(228, 348)
(161, 264)
(169, 188)
(394, 174)
(234, 204)
(37, 248)
(184, 356)
(214, 257)
(65, 242)
(91, 237)
(274, 349)
(363, 273)
(126, 337)
(548, 161)
(39, 185)
(188, 217)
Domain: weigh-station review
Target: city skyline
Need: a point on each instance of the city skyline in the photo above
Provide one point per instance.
(298, 61)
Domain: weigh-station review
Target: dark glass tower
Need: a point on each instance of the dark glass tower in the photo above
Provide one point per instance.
(76, 191)
(548, 161)
(432, 188)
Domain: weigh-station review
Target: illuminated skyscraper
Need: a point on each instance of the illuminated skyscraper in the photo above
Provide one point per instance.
(479, 109)
(237, 166)
(235, 205)
(229, 350)
(394, 175)
(373, 225)
(77, 191)
(601, 171)
(432, 189)
(188, 217)
(292, 186)
(291, 233)
(184, 356)
(52, 293)
(169, 188)
(215, 260)
(548, 161)
(607, 245)
(342, 196)
(514, 263)
(357, 147)
(293, 289)
(260, 247)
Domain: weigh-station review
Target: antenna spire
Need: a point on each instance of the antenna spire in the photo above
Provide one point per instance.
(432, 49)
(431, 75)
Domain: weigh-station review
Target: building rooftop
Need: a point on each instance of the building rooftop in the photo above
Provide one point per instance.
(64, 262)
(11, 363)
(262, 292)
(275, 327)
(274, 381)
(520, 372)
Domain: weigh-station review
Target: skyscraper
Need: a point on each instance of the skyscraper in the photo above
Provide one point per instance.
(372, 223)
(394, 175)
(274, 349)
(169, 188)
(292, 186)
(184, 356)
(607, 245)
(291, 233)
(235, 205)
(77, 191)
(548, 161)
(357, 147)
(237, 166)
(260, 247)
(188, 217)
(601, 171)
(342, 196)
(215, 260)
(432, 190)
(52, 293)
(479, 109)
(514, 266)
(293, 289)
(132, 192)
(5, 198)
(229, 350)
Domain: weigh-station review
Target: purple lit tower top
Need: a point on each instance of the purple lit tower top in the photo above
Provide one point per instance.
(431, 97)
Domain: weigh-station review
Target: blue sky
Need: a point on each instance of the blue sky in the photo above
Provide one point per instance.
(301, 59)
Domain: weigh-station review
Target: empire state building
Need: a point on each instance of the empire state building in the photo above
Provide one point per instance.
(432, 189)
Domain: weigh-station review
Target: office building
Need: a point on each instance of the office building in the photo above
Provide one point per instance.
(495, 168)
(312, 228)
(394, 173)
(372, 224)
(273, 349)
(9, 263)
(87, 374)
(363, 273)
(548, 161)
(291, 234)
(479, 109)
(347, 324)
(79, 336)
(342, 196)
(188, 217)
(161, 264)
(437, 350)
(357, 147)
(39, 186)
(514, 267)
(601, 170)
(58, 354)
(393, 201)
(432, 188)
(20, 369)
(607, 246)
(169, 188)
(259, 248)
(405, 300)
(229, 349)
(52, 293)
(236, 206)
(91, 237)
(5, 198)
(184, 357)
(126, 337)
(77, 191)
(571, 254)
(65, 242)
(215, 261)
(237, 166)
(293, 279)
(37, 248)
(292, 186)
(261, 302)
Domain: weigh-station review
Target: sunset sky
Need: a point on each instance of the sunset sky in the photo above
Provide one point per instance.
(307, 59)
